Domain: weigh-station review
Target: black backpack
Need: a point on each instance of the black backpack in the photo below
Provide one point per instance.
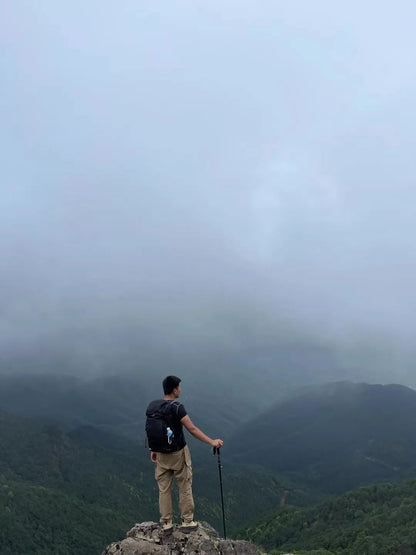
(159, 428)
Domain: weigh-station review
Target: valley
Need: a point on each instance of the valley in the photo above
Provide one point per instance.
(73, 452)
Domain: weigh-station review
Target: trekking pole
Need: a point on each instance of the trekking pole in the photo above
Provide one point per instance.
(216, 451)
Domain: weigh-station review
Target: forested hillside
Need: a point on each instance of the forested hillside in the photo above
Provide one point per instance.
(80, 490)
(374, 520)
(39, 519)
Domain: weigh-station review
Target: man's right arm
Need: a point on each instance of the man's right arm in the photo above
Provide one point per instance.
(199, 434)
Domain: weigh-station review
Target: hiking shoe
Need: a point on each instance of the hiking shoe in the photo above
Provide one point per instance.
(188, 526)
(167, 526)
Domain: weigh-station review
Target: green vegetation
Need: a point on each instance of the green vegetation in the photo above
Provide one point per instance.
(373, 520)
(75, 492)
(72, 486)
(35, 519)
(61, 494)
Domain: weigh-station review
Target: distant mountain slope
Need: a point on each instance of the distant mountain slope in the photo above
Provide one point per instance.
(336, 437)
(378, 519)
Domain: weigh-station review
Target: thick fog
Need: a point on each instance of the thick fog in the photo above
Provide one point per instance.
(203, 178)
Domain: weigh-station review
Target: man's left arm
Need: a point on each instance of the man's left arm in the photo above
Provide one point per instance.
(199, 434)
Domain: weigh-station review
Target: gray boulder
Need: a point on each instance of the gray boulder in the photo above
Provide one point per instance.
(148, 537)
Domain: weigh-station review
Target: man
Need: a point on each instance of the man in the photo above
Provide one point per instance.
(178, 462)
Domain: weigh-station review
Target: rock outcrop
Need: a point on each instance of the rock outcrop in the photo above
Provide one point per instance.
(148, 537)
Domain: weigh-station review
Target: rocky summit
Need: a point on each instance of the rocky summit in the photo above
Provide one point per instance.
(148, 537)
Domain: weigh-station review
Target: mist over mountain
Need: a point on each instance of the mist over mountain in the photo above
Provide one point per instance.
(218, 190)
(208, 185)
(261, 356)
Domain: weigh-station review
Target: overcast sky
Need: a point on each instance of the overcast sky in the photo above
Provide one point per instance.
(209, 170)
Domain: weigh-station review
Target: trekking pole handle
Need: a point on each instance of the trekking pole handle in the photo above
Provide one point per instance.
(216, 450)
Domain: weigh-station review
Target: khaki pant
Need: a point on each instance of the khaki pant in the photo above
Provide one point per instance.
(176, 464)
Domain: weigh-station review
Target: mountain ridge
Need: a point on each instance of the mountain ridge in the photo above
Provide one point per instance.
(340, 435)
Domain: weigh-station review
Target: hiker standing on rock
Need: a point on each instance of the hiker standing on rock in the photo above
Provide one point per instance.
(164, 427)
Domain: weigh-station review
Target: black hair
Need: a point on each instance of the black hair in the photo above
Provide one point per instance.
(170, 383)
